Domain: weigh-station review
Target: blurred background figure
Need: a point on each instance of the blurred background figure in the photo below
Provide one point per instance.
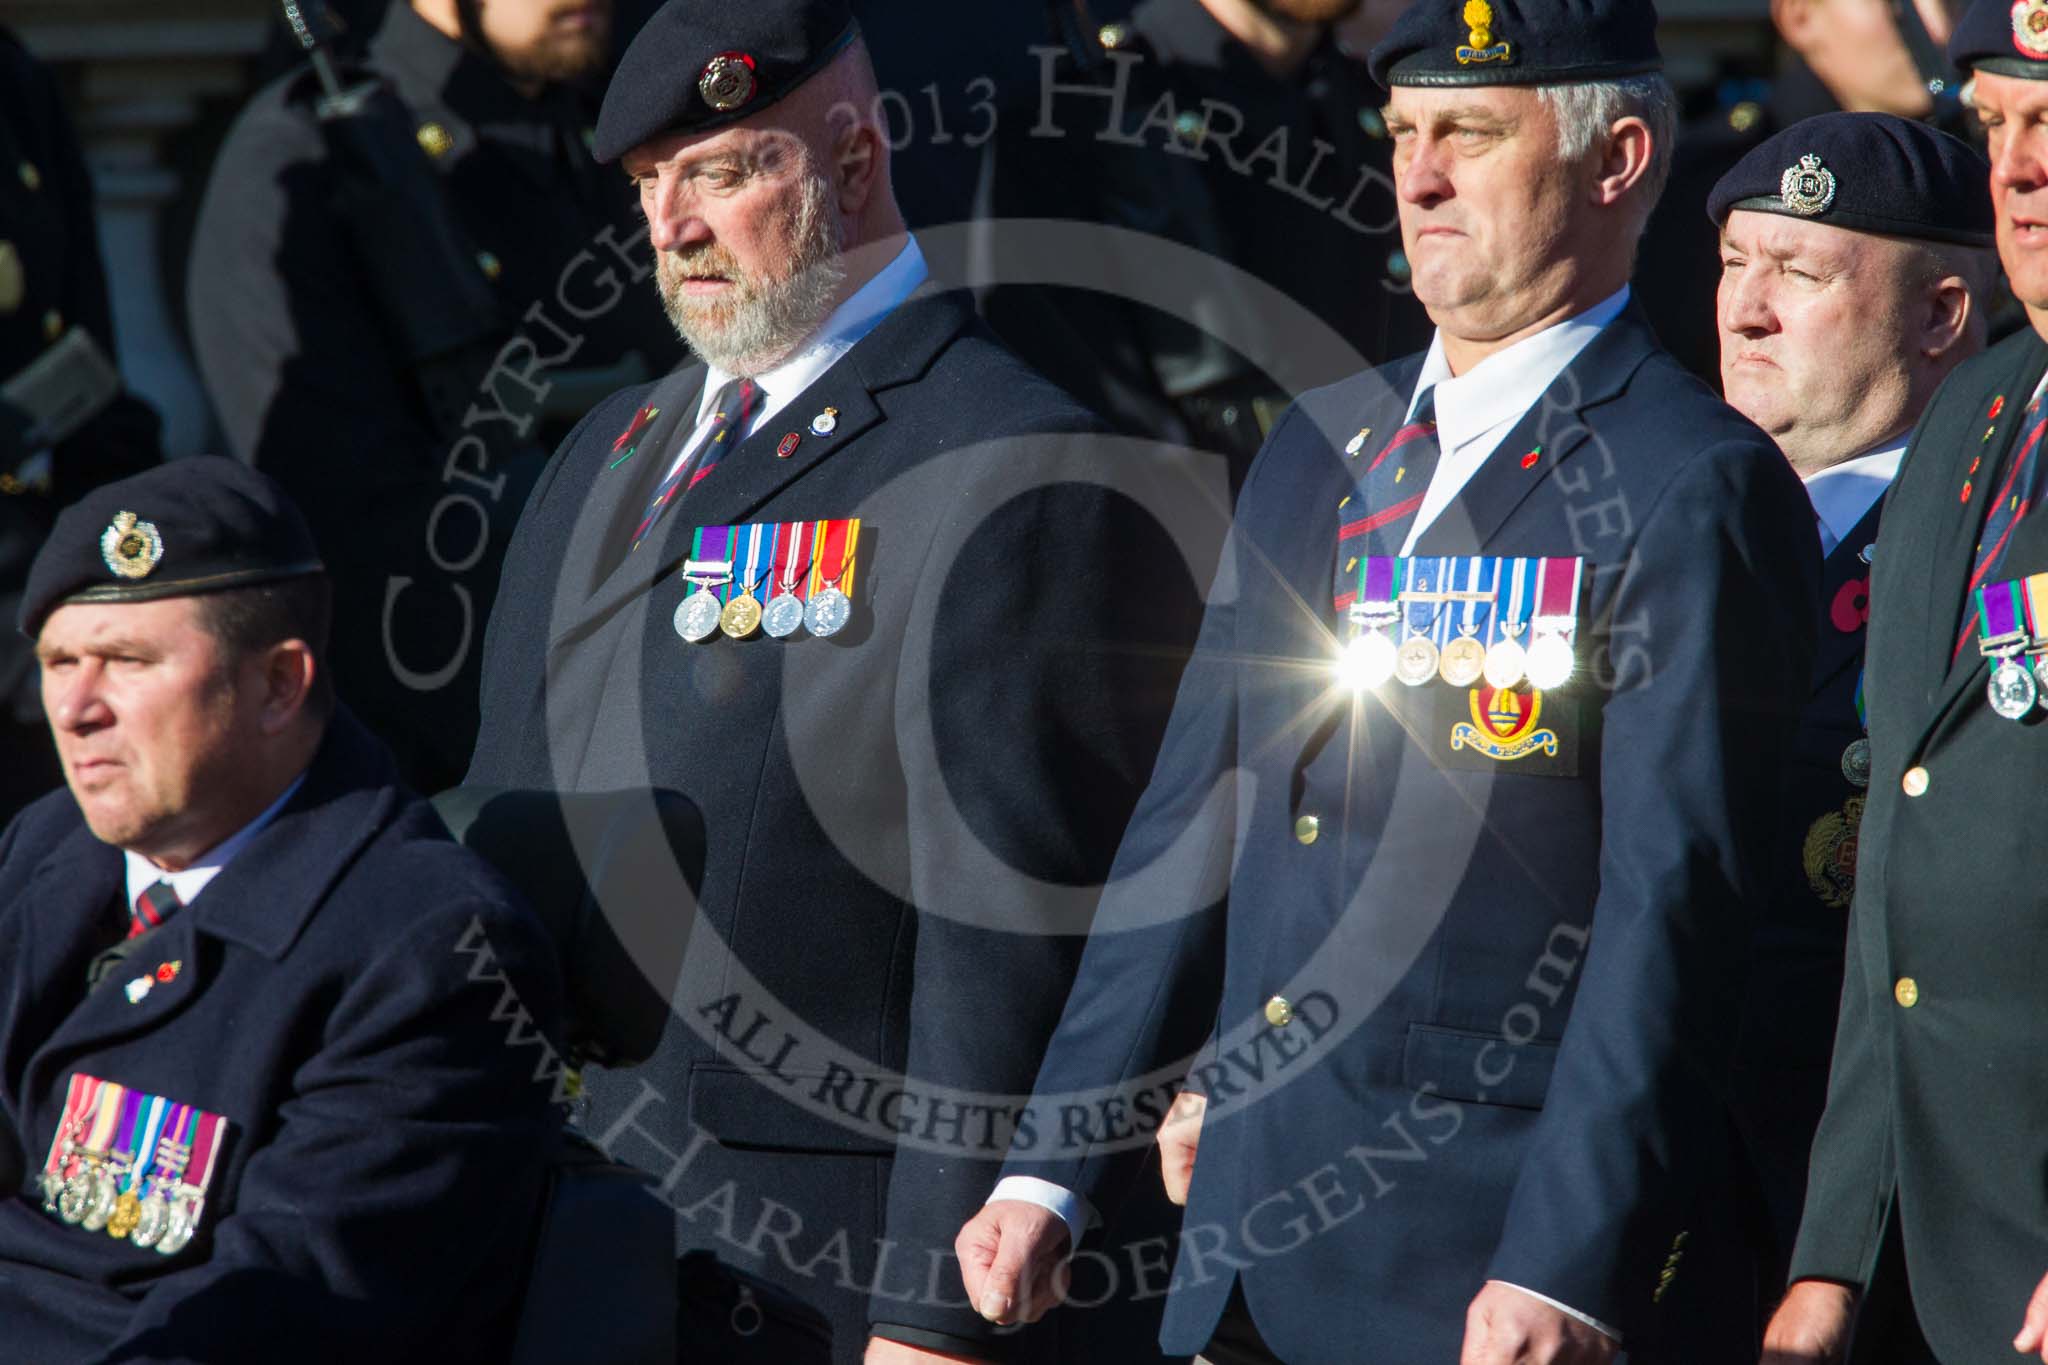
(1873, 56)
(408, 280)
(65, 422)
(1244, 131)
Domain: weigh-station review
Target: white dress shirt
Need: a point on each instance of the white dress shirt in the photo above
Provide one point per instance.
(1843, 494)
(143, 874)
(847, 327)
(1476, 410)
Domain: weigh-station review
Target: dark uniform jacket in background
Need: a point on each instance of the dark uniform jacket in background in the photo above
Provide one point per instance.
(47, 226)
(1285, 178)
(376, 1196)
(1933, 1131)
(1510, 1035)
(1795, 987)
(889, 811)
(311, 384)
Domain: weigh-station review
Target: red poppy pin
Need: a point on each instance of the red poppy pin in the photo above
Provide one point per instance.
(1529, 460)
(1997, 406)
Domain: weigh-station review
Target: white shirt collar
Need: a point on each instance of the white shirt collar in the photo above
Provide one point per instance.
(1843, 494)
(1507, 383)
(846, 328)
(143, 874)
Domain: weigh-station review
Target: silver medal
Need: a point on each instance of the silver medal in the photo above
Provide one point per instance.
(2013, 691)
(784, 616)
(2041, 670)
(1856, 763)
(698, 616)
(75, 1201)
(154, 1222)
(183, 1222)
(828, 613)
(99, 1206)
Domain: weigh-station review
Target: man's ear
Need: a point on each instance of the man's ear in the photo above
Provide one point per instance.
(1949, 311)
(288, 669)
(857, 165)
(1797, 21)
(1625, 162)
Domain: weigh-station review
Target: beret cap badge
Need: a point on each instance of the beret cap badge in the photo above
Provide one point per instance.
(727, 81)
(2030, 28)
(1808, 189)
(130, 547)
(1482, 48)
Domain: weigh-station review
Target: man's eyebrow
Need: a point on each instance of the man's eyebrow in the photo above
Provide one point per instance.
(102, 644)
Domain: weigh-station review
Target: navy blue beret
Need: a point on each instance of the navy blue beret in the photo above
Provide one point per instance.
(701, 64)
(189, 526)
(2004, 37)
(1518, 42)
(1868, 172)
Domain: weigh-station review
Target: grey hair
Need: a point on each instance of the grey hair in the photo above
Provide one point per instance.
(1587, 111)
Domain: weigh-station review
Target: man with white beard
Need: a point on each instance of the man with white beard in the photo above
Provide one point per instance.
(857, 586)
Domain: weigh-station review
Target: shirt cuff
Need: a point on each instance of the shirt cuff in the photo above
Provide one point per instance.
(1602, 1328)
(1077, 1213)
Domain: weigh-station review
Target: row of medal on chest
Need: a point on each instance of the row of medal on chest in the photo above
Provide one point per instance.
(810, 563)
(120, 1164)
(2012, 631)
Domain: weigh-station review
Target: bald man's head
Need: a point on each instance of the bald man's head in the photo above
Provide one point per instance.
(763, 226)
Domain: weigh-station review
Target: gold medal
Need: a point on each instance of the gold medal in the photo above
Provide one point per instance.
(742, 616)
(1463, 662)
(127, 1213)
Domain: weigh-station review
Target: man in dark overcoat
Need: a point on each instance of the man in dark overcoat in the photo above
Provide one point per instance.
(277, 1049)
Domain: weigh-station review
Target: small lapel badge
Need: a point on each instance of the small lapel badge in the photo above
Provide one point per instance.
(1529, 460)
(1997, 406)
(167, 972)
(139, 989)
(434, 140)
(1357, 443)
(825, 423)
(787, 446)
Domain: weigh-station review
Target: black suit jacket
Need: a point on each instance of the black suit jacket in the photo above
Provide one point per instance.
(1935, 1107)
(906, 822)
(349, 998)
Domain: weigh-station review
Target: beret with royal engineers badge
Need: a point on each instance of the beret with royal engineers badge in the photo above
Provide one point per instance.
(189, 526)
(701, 64)
(1867, 172)
(1518, 42)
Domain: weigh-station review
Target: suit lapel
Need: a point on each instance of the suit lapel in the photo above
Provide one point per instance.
(902, 347)
(1549, 435)
(66, 920)
(1956, 556)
